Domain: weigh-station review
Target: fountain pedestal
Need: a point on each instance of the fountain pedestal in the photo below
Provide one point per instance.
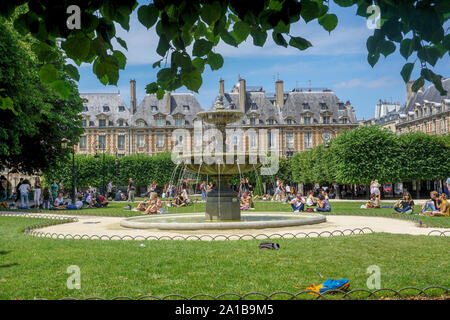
(222, 203)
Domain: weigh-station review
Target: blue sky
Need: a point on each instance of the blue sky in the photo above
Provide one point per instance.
(337, 61)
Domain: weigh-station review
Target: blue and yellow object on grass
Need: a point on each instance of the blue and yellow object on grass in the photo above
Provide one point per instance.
(330, 284)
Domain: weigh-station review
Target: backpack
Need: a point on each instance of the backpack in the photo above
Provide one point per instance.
(269, 245)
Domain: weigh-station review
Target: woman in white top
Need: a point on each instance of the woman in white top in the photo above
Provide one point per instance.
(375, 188)
(24, 190)
(37, 193)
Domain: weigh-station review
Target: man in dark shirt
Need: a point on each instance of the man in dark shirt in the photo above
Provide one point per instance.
(131, 190)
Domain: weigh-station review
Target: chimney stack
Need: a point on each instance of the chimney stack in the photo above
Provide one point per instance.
(242, 94)
(133, 96)
(221, 87)
(279, 93)
(168, 102)
(410, 93)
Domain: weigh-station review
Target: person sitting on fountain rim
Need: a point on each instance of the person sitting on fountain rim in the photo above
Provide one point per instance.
(298, 203)
(323, 205)
(246, 201)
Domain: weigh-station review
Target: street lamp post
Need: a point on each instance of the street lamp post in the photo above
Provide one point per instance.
(64, 145)
(116, 161)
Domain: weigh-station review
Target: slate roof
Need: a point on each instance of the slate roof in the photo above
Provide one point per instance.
(431, 95)
(177, 100)
(294, 106)
(96, 101)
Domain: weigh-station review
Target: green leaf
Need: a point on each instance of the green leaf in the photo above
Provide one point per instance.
(151, 88)
(275, 5)
(300, 43)
(61, 87)
(6, 103)
(228, 38)
(310, 10)
(201, 47)
(165, 75)
(121, 59)
(122, 43)
(181, 60)
(210, 13)
(199, 64)
(163, 46)
(279, 39)
(72, 71)
(372, 58)
(77, 46)
(387, 47)
(345, 3)
(328, 21)
(215, 61)
(200, 30)
(148, 15)
(429, 54)
(160, 93)
(192, 80)
(241, 30)
(406, 48)
(48, 73)
(419, 83)
(406, 71)
(259, 37)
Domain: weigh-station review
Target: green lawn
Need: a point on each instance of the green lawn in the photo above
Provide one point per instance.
(338, 208)
(33, 267)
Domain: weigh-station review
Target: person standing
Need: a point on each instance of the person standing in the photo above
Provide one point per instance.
(18, 189)
(37, 193)
(447, 183)
(24, 190)
(109, 190)
(53, 190)
(131, 190)
(3, 191)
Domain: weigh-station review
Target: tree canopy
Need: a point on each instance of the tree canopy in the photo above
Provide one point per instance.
(37, 119)
(189, 31)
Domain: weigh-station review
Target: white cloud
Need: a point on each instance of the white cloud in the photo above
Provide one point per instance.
(357, 82)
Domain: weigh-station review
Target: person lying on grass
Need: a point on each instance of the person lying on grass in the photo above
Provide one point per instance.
(246, 201)
(374, 202)
(323, 205)
(444, 208)
(154, 204)
(406, 205)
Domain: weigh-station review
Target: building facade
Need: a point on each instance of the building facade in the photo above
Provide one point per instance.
(426, 111)
(294, 120)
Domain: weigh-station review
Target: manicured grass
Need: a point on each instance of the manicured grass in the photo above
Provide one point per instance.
(32, 267)
(338, 208)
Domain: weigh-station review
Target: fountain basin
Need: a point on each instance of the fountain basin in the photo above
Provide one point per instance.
(195, 221)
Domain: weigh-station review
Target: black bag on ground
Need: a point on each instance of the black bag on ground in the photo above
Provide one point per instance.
(269, 245)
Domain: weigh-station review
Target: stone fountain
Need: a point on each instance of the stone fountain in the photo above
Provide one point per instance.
(222, 205)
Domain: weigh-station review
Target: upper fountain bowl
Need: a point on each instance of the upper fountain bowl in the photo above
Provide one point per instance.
(220, 116)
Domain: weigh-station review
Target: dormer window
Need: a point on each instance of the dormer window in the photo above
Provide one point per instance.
(306, 106)
(290, 121)
(160, 122)
(344, 120)
(102, 122)
(140, 123)
(86, 109)
(178, 122)
(323, 106)
(106, 109)
(83, 123)
(186, 108)
(154, 108)
(307, 120)
(252, 121)
(121, 122)
(254, 106)
(232, 106)
(326, 119)
(341, 106)
(121, 108)
(270, 121)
